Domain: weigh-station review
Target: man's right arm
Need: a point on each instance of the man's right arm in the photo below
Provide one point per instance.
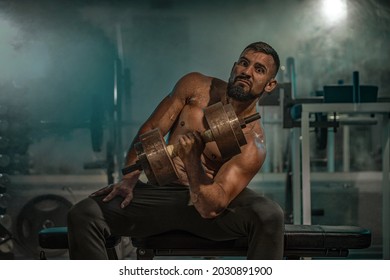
(163, 117)
(167, 111)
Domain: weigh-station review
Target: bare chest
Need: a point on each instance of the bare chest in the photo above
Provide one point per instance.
(192, 119)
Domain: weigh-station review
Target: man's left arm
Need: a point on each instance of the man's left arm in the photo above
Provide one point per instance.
(211, 196)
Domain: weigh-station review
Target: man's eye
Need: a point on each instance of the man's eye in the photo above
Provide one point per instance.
(260, 70)
(243, 63)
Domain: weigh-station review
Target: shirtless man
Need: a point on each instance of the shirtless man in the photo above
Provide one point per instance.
(211, 198)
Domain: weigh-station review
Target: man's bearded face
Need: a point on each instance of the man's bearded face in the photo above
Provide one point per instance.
(238, 93)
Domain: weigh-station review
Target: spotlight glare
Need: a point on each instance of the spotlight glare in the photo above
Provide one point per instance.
(334, 10)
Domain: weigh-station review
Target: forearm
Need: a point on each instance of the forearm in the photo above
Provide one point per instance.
(131, 155)
(163, 118)
(207, 196)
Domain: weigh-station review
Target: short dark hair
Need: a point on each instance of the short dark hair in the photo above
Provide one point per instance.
(267, 49)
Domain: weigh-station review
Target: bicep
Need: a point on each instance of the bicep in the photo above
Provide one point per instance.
(166, 113)
(236, 174)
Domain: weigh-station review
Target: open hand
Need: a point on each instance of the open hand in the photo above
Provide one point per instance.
(123, 188)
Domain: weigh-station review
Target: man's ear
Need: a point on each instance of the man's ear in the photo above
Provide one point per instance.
(271, 85)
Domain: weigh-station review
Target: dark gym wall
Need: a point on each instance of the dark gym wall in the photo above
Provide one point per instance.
(56, 67)
(60, 53)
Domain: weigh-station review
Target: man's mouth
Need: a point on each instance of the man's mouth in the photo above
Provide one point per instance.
(243, 81)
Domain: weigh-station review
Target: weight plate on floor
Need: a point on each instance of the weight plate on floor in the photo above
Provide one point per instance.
(39, 213)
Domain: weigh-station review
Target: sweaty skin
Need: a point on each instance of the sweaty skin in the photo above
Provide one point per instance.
(213, 182)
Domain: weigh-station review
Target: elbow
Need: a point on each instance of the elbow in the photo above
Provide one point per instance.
(210, 213)
(210, 205)
(145, 128)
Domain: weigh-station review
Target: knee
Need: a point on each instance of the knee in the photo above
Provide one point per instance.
(268, 216)
(83, 212)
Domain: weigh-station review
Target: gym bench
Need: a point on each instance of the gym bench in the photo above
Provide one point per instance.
(315, 241)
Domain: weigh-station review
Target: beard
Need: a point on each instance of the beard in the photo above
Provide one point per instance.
(238, 93)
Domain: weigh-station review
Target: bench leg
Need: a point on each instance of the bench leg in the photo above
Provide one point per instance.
(42, 255)
(145, 254)
(111, 253)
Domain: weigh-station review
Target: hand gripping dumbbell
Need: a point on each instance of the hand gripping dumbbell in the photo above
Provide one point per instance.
(155, 157)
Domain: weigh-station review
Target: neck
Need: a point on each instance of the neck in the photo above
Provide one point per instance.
(243, 108)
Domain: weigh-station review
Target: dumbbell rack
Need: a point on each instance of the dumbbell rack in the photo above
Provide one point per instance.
(14, 159)
(6, 244)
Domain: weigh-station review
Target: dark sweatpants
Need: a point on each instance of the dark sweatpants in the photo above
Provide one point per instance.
(156, 209)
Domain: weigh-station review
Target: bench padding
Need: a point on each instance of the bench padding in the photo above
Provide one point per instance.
(299, 241)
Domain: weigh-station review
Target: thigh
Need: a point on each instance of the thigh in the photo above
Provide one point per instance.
(158, 209)
(230, 224)
(153, 209)
(246, 209)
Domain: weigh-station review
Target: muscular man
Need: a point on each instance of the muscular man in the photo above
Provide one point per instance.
(211, 198)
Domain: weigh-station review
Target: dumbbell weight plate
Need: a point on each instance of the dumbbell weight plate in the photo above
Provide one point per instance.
(154, 158)
(235, 125)
(226, 129)
(41, 212)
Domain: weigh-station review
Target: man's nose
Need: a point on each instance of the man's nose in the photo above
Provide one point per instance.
(247, 71)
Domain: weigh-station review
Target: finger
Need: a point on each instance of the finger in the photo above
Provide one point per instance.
(102, 191)
(194, 137)
(188, 138)
(113, 192)
(126, 201)
(182, 141)
(188, 135)
(197, 136)
(110, 196)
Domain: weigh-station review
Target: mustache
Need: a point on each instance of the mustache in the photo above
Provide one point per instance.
(242, 77)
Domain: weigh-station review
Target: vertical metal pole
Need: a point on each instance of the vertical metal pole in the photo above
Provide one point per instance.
(295, 151)
(356, 87)
(330, 150)
(296, 171)
(346, 155)
(386, 187)
(291, 71)
(306, 191)
(119, 100)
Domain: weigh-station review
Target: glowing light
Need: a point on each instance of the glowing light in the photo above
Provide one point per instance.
(334, 10)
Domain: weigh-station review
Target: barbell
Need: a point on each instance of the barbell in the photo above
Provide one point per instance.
(155, 157)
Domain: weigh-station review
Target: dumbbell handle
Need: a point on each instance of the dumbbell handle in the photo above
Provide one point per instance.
(207, 136)
(250, 119)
